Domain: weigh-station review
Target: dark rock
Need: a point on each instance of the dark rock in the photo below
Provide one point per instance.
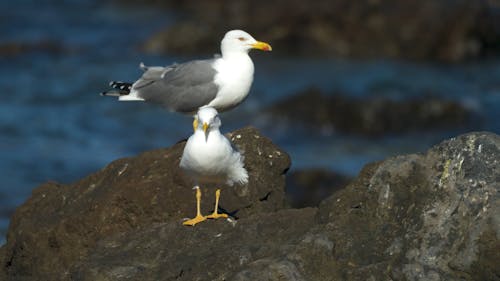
(371, 116)
(420, 217)
(60, 224)
(413, 29)
(431, 216)
(307, 188)
(170, 251)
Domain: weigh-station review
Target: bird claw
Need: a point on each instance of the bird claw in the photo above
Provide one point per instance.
(195, 220)
(216, 215)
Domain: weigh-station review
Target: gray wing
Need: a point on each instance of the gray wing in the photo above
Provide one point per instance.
(179, 87)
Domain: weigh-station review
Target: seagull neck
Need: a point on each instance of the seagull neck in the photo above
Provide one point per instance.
(211, 132)
(232, 55)
(214, 131)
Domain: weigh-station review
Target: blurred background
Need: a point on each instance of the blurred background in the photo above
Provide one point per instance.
(348, 82)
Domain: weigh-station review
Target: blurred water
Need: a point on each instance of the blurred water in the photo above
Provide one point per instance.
(55, 126)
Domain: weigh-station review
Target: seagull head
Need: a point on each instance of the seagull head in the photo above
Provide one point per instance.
(207, 119)
(238, 41)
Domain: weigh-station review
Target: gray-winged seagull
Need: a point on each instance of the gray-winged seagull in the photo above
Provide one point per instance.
(222, 82)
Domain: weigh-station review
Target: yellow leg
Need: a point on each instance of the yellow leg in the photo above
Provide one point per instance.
(216, 215)
(199, 217)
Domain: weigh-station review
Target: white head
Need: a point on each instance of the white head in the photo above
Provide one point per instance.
(238, 41)
(206, 120)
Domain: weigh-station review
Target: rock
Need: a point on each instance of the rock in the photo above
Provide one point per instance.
(60, 224)
(431, 216)
(215, 251)
(307, 188)
(413, 29)
(370, 116)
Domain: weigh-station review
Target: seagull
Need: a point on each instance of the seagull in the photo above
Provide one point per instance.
(222, 82)
(209, 157)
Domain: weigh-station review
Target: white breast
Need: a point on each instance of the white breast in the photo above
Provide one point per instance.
(234, 78)
(213, 160)
(206, 156)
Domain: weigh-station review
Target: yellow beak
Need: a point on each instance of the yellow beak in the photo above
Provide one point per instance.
(262, 46)
(205, 127)
(195, 124)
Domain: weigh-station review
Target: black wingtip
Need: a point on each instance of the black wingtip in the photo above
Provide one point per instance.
(119, 85)
(111, 94)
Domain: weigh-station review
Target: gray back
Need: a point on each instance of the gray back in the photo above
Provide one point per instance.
(179, 87)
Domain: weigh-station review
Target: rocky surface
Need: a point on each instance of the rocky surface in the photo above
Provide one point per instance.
(61, 224)
(208, 252)
(431, 216)
(370, 116)
(425, 216)
(414, 29)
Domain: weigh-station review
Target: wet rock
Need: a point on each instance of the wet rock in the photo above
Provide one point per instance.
(370, 116)
(307, 188)
(440, 30)
(429, 216)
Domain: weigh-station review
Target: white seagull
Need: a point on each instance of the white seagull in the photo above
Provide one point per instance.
(222, 82)
(209, 157)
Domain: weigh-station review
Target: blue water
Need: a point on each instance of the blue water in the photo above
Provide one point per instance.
(55, 126)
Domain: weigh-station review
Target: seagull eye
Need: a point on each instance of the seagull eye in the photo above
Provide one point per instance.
(242, 38)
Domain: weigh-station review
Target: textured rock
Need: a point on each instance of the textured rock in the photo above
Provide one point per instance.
(415, 29)
(432, 216)
(60, 224)
(214, 251)
(370, 116)
(420, 217)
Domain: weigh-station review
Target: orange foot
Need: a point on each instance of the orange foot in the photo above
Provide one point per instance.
(195, 220)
